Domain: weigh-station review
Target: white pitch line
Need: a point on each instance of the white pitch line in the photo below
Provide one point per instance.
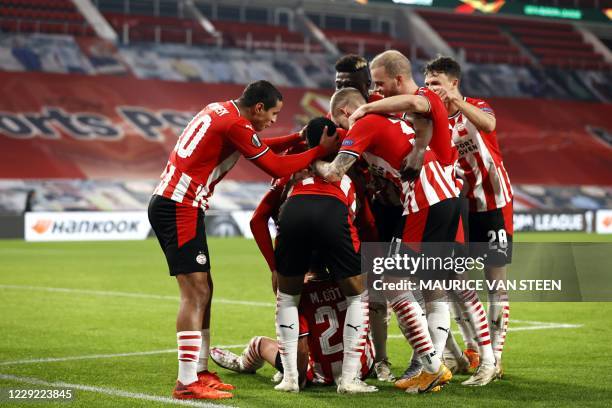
(130, 295)
(109, 391)
(98, 356)
(544, 326)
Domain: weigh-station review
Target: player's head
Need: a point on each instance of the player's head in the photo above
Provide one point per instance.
(352, 72)
(442, 72)
(314, 131)
(262, 103)
(391, 70)
(343, 103)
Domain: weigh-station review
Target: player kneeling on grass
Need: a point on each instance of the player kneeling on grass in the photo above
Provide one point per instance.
(318, 216)
(322, 312)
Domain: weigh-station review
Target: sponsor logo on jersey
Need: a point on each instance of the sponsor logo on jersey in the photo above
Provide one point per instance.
(255, 140)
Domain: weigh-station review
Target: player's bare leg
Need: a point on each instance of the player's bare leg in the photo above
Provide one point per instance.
(379, 323)
(288, 328)
(206, 377)
(354, 333)
(498, 314)
(195, 298)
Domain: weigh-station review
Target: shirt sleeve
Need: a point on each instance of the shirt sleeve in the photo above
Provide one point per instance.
(441, 138)
(358, 138)
(482, 105)
(267, 208)
(246, 141)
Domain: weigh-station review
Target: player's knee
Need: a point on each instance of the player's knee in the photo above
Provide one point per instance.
(197, 295)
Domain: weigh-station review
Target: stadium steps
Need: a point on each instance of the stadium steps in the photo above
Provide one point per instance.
(44, 16)
(557, 44)
(481, 38)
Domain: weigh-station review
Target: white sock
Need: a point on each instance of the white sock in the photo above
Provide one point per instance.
(354, 335)
(438, 321)
(378, 328)
(411, 317)
(204, 351)
(463, 325)
(475, 315)
(287, 332)
(188, 355)
(453, 347)
(499, 317)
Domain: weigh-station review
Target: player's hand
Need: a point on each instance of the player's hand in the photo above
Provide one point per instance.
(358, 114)
(329, 142)
(449, 97)
(303, 132)
(274, 282)
(412, 165)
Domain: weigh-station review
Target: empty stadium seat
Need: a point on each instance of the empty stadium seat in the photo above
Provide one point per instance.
(45, 16)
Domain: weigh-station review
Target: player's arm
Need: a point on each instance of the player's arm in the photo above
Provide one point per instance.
(393, 104)
(266, 209)
(246, 141)
(482, 117)
(302, 358)
(335, 170)
(354, 144)
(282, 143)
(413, 163)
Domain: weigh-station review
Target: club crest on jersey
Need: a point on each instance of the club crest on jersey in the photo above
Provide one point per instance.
(255, 140)
(347, 143)
(201, 258)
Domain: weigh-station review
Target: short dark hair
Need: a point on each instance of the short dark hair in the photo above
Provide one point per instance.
(351, 63)
(260, 91)
(314, 130)
(444, 65)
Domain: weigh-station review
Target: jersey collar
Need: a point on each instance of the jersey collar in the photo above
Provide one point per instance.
(235, 106)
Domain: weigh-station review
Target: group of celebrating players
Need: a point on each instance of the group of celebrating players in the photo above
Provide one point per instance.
(398, 163)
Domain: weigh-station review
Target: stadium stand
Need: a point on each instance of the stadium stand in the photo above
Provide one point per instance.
(46, 16)
(232, 195)
(498, 40)
(482, 38)
(534, 73)
(557, 44)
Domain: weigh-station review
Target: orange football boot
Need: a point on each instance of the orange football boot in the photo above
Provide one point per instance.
(474, 358)
(212, 380)
(196, 390)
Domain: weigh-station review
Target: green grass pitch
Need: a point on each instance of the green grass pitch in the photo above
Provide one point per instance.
(95, 310)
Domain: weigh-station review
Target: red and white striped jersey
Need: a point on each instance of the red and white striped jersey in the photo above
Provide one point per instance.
(384, 142)
(480, 162)
(344, 190)
(207, 149)
(322, 312)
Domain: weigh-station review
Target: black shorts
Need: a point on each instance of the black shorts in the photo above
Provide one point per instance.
(181, 235)
(316, 223)
(438, 223)
(490, 235)
(387, 218)
(431, 232)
